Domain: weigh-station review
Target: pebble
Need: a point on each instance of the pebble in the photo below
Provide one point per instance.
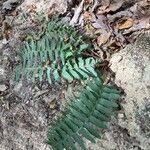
(120, 116)
(3, 87)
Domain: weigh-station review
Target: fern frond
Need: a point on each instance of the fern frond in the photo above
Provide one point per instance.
(57, 28)
(79, 69)
(56, 55)
(86, 115)
(49, 58)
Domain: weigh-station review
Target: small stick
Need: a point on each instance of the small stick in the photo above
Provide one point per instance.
(77, 14)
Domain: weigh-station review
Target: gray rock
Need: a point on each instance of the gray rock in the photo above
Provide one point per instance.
(8, 5)
(133, 75)
(3, 87)
(131, 129)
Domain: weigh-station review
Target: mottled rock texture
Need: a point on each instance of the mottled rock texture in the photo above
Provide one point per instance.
(132, 68)
(131, 129)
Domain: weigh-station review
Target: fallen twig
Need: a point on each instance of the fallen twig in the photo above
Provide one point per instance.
(96, 4)
(40, 93)
(77, 14)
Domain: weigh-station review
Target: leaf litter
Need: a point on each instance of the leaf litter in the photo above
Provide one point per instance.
(113, 25)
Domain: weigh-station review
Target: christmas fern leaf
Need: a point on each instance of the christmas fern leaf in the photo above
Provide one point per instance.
(49, 58)
(57, 54)
(86, 117)
(57, 28)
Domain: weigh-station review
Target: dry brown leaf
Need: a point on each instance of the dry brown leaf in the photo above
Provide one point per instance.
(6, 30)
(126, 24)
(101, 10)
(131, 38)
(115, 6)
(105, 3)
(2, 18)
(107, 8)
(14, 13)
(52, 103)
(88, 1)
(118, 15)
(89, 29)
(31, 8)
(50, 11)
(103, 38)
(142, 24)
(100, 22)
(144, 3)
(87, 15)
(115, 45)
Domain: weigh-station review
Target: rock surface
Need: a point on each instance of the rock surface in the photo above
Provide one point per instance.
(131, 129)
(132, 68)
(48, 7)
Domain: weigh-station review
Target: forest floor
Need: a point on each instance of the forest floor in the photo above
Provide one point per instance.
(26, 109)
